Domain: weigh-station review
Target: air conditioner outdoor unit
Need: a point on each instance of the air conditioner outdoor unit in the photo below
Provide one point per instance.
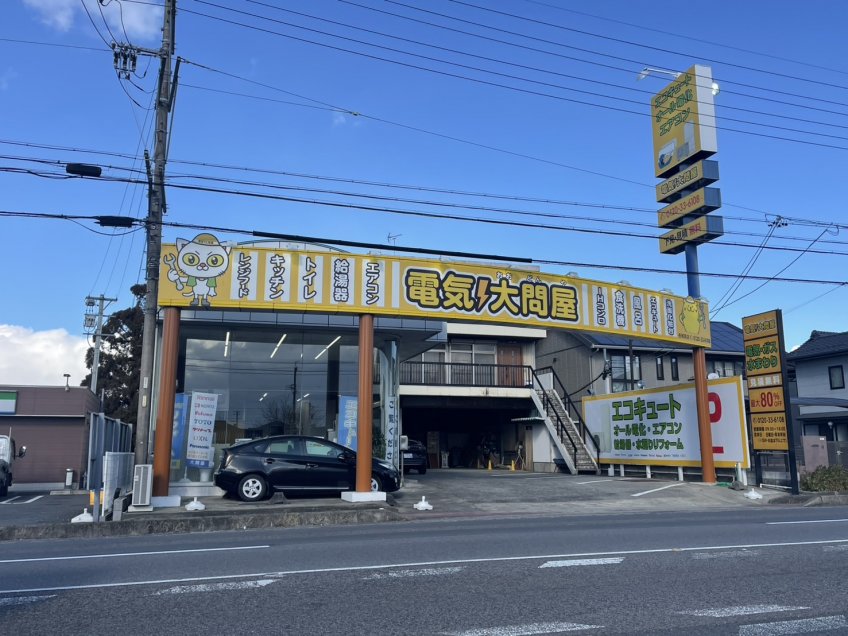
(142, 488)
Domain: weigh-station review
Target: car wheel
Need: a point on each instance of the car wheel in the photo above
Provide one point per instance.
(422, 470)
(252, 488)
(376, 484)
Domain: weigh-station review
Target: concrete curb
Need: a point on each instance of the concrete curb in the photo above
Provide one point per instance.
(812, 499)
(203, 522)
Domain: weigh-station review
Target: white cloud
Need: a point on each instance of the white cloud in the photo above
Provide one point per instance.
(41, 357)
(142, 22)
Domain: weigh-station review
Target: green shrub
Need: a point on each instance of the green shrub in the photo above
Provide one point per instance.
(825, 479)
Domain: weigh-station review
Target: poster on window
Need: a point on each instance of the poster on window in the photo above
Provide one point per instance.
(660, 426)
(201, 426)
(178, 435)
(348, 405)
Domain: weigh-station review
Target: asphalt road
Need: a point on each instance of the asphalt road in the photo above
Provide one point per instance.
(754, 571)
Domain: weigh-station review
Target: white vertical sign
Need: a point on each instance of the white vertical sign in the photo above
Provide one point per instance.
(201, 429)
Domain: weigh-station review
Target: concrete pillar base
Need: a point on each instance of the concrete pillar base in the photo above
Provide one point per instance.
(361, 497)
(169, 501)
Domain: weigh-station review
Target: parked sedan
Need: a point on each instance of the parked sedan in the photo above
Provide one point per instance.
(415, 456)
(296, 463)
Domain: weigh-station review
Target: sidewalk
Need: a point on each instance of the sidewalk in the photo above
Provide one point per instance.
(453, 493)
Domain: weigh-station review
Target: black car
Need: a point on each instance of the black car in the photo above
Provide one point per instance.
(415, 456)
(296, 463)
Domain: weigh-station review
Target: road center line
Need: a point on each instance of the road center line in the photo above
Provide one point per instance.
(802, 626)
(786, 523)
(386, 566)
(128, 554)
(572, 562)
(742, 610)
(648, 492)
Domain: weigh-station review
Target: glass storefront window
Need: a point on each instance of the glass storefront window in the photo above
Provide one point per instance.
(265, 383)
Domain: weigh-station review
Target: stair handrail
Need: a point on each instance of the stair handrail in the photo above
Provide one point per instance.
(560, 425)
(573, 412)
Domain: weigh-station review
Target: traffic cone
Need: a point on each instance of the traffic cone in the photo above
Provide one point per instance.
(490, 464)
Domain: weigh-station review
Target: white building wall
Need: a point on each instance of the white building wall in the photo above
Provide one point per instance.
(814, 381)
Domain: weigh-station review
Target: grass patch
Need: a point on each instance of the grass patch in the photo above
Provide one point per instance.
(825, 479)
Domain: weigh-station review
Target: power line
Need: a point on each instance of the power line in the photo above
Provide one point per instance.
(430, 215)
(590, 51)
(593, 105)
(793, 220)
(688, 37)
(56, 44)
(805, 120)
(649, 47)
(396, 248)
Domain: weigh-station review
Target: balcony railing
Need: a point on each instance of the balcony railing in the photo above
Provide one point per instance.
(466, 374)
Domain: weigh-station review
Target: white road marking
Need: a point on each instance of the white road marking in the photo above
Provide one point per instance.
(594, 481)
(787, 523)
(397, 574)
(742, 610)
(23, 600)
(10, 500)
(803, 626)
(31, 500)
(530, 629)
(386, 566)
(216, 587)
(835, 548)
(731, 554)
(128, 554)
(648, 492)
(572, 562)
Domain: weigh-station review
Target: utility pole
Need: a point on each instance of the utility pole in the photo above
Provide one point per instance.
(98, 334)
(155, 210)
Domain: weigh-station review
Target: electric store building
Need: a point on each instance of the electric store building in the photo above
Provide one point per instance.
(268, 334)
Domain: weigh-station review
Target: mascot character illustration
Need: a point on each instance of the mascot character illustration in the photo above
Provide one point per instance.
(693, 319)
(197, 266)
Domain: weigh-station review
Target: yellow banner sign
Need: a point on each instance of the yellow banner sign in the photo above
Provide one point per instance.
(700, 230)
(762, 356)
(767, 400)
(769, 431)
(683, 118)
(760, 325)
(695, 176)
(699, 202)
(203, 273)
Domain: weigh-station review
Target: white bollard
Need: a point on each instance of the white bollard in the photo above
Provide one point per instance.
(680, 473)
(611, 470)
(621, 469)
(647, 472)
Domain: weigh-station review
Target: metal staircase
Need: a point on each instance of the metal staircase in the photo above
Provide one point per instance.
(564, 423)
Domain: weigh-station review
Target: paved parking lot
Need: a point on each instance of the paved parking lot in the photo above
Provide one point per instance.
(468, 492)
(28, 507)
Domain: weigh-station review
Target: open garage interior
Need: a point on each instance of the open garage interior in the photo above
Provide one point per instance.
(468, 432)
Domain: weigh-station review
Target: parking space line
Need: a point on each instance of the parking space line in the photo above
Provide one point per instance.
(31, 500)
(10, 500)
(594, 481)
(648, 492)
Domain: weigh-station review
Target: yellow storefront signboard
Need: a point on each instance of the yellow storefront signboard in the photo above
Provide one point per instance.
(769, 431)
(700, 230)
(760, 325)
(683, 118)
(698, 203)
(766, 400)
(203, 273)
(762, 356)
(695, 176)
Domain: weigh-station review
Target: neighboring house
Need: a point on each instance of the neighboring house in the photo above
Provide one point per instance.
(52, 422)
(580, 360)
(820, 366)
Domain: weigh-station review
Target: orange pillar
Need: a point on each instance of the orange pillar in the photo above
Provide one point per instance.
(705, 431)
(165, 411)
(365, 403)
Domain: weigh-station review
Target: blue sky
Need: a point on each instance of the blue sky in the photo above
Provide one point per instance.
(561, 138)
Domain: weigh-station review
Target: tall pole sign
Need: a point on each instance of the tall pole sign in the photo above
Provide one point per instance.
(684, 135)
(765, 364)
